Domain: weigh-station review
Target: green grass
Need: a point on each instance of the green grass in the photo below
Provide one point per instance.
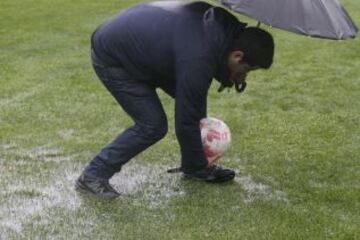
(296, 138)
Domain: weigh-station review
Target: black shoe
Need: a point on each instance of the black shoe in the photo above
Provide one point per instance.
(211, 174)
(97, 186)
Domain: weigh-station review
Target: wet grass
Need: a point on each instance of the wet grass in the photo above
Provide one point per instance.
(296, 138)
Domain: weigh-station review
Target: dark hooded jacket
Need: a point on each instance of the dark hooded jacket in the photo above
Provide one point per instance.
(178, 47)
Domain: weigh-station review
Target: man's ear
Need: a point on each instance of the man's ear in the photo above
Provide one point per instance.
(238, 55)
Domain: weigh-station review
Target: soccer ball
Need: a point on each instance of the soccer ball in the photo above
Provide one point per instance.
(215, 137)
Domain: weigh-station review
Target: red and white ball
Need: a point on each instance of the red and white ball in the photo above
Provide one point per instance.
(215, 137)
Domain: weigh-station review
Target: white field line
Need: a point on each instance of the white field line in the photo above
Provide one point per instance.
(42, 153)
(256, 190)
(24, 199)
(20, 97)
(7, 146)
(18, 210)
(66, 133)
(156, 185)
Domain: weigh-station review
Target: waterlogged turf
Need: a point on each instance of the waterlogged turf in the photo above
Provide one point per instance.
(296, 138)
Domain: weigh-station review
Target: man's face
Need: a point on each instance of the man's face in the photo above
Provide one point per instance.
(238, 67)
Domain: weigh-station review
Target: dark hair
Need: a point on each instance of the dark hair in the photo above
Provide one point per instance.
(257, 46)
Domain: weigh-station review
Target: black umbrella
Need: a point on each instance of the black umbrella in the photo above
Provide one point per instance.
(316, 18)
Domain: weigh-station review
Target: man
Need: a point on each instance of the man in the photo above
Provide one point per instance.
(180, 48)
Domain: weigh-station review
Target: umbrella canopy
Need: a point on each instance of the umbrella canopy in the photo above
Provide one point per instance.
(316, 18)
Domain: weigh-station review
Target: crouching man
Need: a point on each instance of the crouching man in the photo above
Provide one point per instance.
(180, 48)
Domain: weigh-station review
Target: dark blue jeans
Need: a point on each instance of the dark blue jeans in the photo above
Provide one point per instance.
(141, 102)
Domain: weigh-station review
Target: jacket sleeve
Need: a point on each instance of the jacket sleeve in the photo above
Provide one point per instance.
(193, 79)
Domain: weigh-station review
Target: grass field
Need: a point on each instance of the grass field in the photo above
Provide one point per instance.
(296, 140)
